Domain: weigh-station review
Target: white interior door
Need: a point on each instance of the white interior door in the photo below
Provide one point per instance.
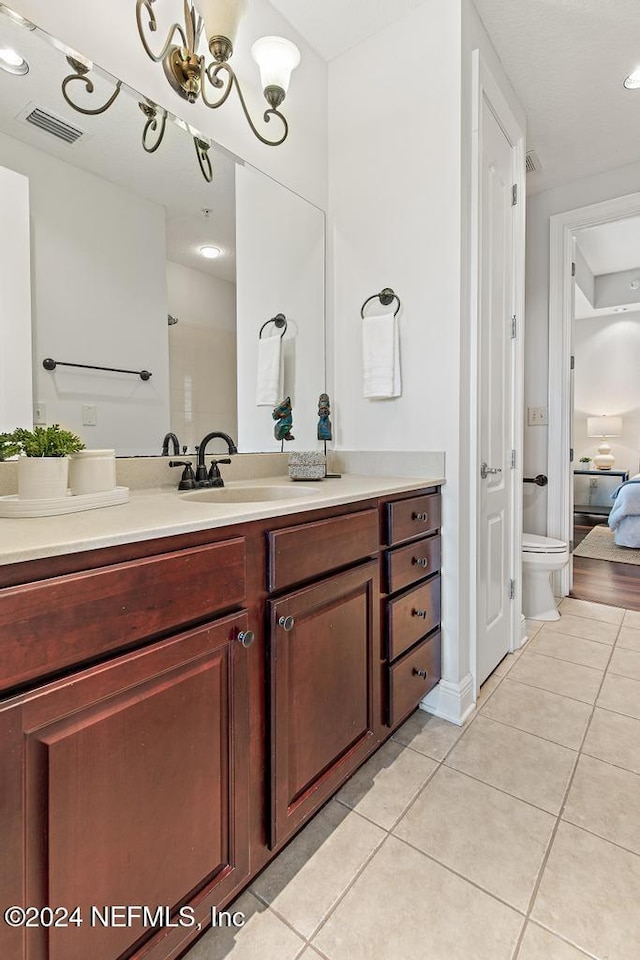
(496, 372)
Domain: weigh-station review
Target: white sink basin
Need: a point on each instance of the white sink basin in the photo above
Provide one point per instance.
(249, 494)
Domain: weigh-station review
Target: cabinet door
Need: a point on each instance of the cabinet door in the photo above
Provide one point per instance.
(127, 785)
(324, 700)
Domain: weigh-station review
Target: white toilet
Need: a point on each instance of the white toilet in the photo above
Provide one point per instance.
(541, 556)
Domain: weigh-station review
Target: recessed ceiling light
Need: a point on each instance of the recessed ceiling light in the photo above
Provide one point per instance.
(211, 253)
(635, 284)
(633, 80)
(12, 62)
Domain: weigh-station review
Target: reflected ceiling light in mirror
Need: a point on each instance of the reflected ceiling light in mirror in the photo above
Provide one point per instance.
(632, 82)
(12, 62)
(210, 253)
(191, 78)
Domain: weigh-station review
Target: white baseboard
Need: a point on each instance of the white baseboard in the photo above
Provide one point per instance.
(451, 701)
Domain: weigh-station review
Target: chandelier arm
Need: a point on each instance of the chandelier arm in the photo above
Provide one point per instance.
(156, 125)
(153, 26)
(212, 74)
(89, 87)
(202, 152)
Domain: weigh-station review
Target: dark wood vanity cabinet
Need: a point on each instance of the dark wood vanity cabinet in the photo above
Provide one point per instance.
(152, 755)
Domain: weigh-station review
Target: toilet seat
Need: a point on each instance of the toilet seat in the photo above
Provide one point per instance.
(532, 543)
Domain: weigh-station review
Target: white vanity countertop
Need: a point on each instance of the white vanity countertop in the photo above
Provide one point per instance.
(152, 514)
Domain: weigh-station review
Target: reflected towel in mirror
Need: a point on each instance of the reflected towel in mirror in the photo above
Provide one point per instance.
(381, 357)
(269, 387)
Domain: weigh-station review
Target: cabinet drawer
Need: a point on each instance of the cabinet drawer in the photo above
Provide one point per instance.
(53, 624)
(412, 518)
(312, 549)
(411, 678)
(412, 616)
(414, 562)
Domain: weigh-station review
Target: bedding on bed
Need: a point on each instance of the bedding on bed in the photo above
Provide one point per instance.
(624, 518)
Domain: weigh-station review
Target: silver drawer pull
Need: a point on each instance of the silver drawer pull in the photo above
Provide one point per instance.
(287, 624)
(246, 638)
(423, 614)
(421, 562)
(420, 673)
(421, 517)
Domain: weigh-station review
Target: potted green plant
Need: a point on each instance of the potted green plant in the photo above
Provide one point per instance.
(586, 461)
(43, 470)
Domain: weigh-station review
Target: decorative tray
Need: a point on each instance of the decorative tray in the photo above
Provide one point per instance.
(13, 507)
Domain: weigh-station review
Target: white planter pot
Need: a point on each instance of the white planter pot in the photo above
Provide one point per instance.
(92, 471)
(42, 478)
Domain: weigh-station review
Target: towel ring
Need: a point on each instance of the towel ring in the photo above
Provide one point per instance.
(386, 297)
(280, 321)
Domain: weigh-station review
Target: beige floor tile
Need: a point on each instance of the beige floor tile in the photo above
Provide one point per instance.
(263, 937)
(490, 838)
(405, 906)
(587, 653)
(606, 801)
(536, 711)
(533, 626)
(629, 638)
(487, 689)
(620, 695)
(428, 734)
(539, 944)
(385, 786)
(592, 611)
(310, 954)
(516, 762)
(625, 663)
(558, 676)
(585, 628)
(614, 738)
(632, 619)
(310, 875)
(505, 665)
(590, 893)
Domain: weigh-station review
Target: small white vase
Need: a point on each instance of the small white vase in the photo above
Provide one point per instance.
(92, 471)
(42, 478)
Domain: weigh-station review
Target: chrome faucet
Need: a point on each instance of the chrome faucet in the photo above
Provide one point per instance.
(201, 470)
(170, 438)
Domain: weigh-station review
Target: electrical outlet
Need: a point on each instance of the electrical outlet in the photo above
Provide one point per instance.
(89, 415)
(537, 416)
(39, 413)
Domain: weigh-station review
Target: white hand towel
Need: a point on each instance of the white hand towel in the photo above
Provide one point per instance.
(381, 357)
(269, 385)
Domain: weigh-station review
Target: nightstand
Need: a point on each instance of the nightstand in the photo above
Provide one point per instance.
(592, 490)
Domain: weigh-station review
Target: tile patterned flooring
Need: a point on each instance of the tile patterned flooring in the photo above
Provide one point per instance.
(516, 837)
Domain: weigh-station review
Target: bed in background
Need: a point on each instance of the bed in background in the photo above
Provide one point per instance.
(624, 518)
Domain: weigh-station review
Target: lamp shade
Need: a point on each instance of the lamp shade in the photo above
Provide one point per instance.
(221, 17)
(604, 426)
(276, 58)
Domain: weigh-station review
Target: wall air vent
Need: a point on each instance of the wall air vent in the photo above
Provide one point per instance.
(532, 162)
(51, 124)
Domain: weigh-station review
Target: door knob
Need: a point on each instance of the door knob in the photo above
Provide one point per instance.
(287, 623)
(246, 638)
(486, 470)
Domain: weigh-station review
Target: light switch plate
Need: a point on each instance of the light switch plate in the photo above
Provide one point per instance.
(39, 413)
(537, 416)
(89, 415)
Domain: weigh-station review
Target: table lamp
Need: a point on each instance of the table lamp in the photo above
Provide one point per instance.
(604, 427)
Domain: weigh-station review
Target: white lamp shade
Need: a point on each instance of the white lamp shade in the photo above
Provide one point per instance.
(221, 17)
(604, 426)
(276, 58)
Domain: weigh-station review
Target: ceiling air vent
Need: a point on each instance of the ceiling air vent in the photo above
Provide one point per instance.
(53, 125)
(532, 162)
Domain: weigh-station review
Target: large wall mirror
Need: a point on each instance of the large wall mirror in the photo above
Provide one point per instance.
(118, 277)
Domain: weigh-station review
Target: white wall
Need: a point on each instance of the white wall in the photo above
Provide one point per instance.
(579, 193)
(607, 352)
(202, 354)
(15, 303)
(98, 297)
(107, 34)
(614, 289)
(280, 243)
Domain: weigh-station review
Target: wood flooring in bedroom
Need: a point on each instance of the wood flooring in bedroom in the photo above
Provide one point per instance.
(602, 581)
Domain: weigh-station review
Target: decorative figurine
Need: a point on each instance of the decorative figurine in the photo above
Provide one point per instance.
(283, 413)
(324, 423)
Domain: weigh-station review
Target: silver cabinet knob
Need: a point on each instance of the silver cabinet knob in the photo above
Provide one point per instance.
(421, 562)
(287, 623)
(246, 638)
(420, 673)
(423, 614)
(420, 517)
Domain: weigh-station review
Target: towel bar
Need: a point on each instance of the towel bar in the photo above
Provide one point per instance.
(280, 321)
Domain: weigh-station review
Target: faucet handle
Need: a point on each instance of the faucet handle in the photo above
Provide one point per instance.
(214, 479)
(188, 480)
